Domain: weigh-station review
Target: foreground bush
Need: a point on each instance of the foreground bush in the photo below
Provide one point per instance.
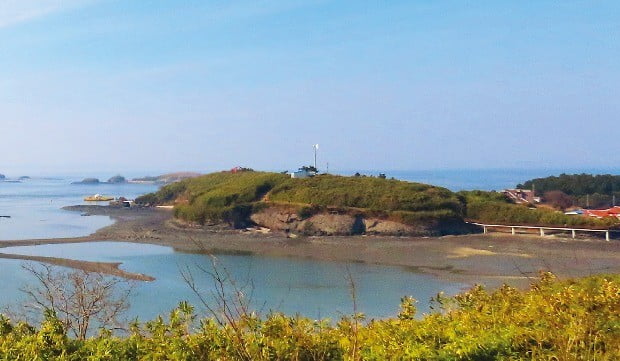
(570, 320)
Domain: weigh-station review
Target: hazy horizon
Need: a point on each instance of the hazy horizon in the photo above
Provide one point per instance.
(115, 86)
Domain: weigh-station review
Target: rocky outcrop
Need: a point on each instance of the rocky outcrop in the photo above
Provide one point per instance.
(2, 177)
(327, 224)
(117, 179)
(331, 224)
(380, 226)
(88, 181)
(282, 219)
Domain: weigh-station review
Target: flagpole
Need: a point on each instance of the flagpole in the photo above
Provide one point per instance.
(316, 147)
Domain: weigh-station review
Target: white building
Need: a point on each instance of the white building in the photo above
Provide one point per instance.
(303, 173)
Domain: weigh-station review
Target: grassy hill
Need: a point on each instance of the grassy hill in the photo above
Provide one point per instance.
(232, 197)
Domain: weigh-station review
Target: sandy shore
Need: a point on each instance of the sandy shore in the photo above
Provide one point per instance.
(487, 259)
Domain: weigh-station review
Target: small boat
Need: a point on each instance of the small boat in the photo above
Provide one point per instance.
(98, 198)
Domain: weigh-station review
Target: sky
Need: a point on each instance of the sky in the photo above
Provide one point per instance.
(116, 85)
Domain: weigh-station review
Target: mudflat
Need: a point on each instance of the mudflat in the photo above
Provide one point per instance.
(490, 259)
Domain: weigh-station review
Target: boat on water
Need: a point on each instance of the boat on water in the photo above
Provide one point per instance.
(98, 198)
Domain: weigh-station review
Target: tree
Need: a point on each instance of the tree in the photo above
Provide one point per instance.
(81, 300)
(309, 168)
(558, 199)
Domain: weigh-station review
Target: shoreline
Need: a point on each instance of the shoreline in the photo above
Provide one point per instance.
(491, 259)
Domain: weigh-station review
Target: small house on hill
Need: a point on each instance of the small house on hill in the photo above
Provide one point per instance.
(521, 195)
(303, 172)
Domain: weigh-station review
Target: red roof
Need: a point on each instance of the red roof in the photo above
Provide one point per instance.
(603, 213)
(614, 210)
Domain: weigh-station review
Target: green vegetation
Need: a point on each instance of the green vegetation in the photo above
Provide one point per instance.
(569, 320)
(493, 207)
(583, 190)
(232, 197)
(216, 197)
(575, 184)
(374, 194)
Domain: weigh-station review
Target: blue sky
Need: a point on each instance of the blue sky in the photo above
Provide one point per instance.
(120, 85)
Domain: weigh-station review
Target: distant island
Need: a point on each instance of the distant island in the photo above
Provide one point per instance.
(161, 179)
(3, 178)
(88, 181)
(165, 178)
(117, 179)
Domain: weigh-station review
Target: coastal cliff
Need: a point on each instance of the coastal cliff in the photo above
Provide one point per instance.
(333, 223)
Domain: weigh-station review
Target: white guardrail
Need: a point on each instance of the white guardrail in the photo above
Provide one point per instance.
(542, 229)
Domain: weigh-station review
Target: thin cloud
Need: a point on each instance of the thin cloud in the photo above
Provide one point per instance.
(17, 11)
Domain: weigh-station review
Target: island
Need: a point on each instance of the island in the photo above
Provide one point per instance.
(117, 179)
(320, 205)
(165, 178)
(330, 205)
(92, 181)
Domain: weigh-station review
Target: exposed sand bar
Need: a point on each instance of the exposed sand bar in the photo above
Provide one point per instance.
(488, 259)
(101, 267)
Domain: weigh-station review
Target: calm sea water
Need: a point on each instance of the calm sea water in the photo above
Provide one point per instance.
(308, 287)
(483, 179)
(35, 207)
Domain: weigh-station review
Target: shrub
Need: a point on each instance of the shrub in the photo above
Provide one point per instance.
(232, 197)
(553, 320)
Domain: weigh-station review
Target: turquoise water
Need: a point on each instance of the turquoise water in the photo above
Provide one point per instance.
(35, 207)
(312, 288)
